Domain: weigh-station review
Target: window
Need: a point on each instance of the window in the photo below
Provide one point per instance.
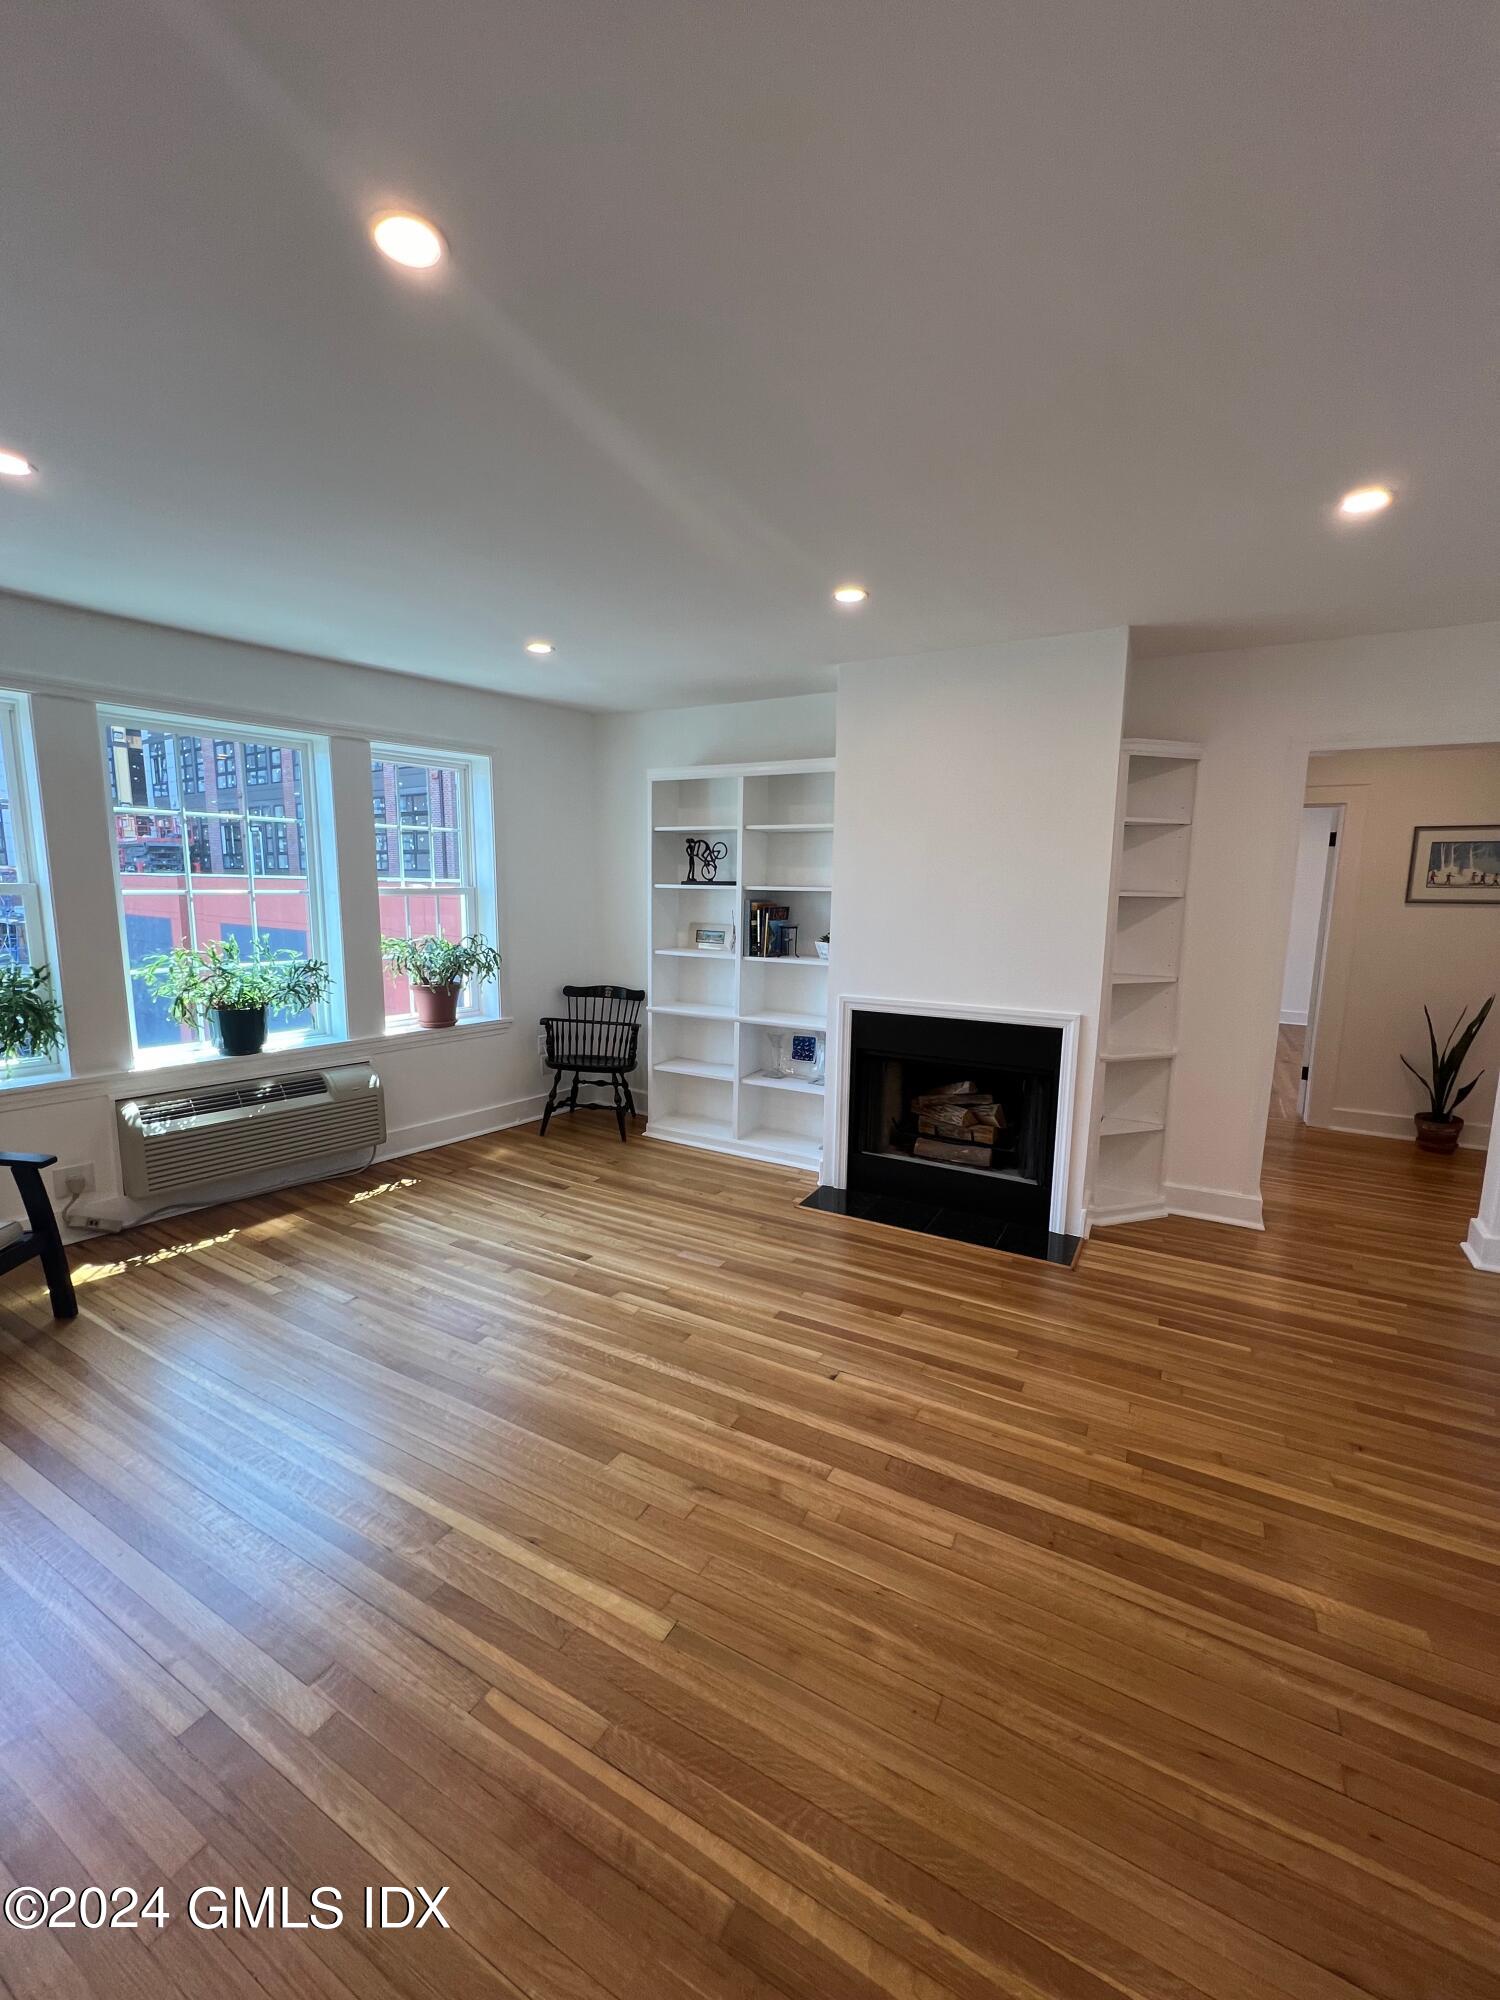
(25, 910)
(262, 764)
(161, 784)
(268, 845)
(205, 868)
(429, 886)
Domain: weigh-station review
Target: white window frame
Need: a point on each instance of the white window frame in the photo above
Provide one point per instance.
(324, 940)
(476, 847)
(30, 863)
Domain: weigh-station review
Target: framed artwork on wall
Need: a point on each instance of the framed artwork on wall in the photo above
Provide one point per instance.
(1454, 865)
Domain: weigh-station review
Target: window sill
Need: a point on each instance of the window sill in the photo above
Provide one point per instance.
(465, 1024)
(29, 1076)
(184, 1066)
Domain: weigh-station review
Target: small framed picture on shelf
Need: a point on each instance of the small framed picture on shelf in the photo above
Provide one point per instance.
(782, 939)
(797, 1055)
(713, 937)
(807, 1057)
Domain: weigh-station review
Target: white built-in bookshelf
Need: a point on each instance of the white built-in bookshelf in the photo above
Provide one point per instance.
(1138, 1035)
(711, 1013)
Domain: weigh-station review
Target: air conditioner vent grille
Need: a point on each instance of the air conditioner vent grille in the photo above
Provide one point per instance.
(160, 1114)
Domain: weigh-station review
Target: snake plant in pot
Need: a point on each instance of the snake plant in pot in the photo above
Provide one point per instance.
(1438, 1127)
(213, 984)
(439, 970)
(30, 1014)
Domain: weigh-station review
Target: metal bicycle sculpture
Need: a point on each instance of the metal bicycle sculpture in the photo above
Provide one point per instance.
(705, 856)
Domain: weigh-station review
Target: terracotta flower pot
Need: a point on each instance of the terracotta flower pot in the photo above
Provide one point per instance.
(1437, 1135)
(436, 1006)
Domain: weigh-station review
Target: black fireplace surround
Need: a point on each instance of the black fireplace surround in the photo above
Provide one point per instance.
(980, 1177)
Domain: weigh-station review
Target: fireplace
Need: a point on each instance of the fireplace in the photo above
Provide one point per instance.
(952, 1128)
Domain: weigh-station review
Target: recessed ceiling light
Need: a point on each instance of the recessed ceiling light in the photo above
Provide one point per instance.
(850, 593)
(541, 647)
(13, 466)
(408, 240)
(1365, 500)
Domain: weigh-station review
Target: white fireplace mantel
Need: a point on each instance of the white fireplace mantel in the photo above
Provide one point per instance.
(836, 1146)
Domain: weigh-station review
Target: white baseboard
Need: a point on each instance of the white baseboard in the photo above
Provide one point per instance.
(430, 1132)
(1482, 1247)
(1106, 1218)
(1296, 1019)
(1475, 1136)
(1204, 1204)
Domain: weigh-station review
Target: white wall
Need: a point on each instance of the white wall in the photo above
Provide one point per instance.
(974, 836)
(1259, 714)
(631, 745)
(546, 837)
(1387, 957)
(1307, 911)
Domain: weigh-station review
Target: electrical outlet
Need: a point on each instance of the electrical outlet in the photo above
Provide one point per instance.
(69, 1182)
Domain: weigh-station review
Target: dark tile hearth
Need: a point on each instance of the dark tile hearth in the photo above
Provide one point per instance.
(1020, 1238)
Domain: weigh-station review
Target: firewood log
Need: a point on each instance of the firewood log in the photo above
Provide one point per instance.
(953, 1154)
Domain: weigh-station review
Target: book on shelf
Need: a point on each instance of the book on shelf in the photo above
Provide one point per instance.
(760, 916)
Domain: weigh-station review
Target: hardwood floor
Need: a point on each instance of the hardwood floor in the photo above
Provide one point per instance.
(723, 1599)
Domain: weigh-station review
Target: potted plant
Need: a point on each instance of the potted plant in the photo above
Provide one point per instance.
(213, 984)
(824, 943)
(439, 970)
(30, 1015)
(1439, 1126)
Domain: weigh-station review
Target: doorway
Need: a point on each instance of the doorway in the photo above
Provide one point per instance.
(1302, 974)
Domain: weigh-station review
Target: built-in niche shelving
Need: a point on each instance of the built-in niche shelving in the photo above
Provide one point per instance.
(1138, 1038)
(712, 1014)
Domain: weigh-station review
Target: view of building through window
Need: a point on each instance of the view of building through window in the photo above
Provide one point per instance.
(16, 942)
(421, 856)
(211, 841)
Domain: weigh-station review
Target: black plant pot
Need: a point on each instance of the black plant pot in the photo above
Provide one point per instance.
(242, 1030)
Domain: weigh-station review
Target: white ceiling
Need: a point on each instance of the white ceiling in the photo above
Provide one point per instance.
(1035, 315)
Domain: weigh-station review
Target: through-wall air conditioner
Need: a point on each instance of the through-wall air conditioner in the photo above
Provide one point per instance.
(176, 1146)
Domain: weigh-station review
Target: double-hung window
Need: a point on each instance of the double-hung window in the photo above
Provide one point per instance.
(215, 837)
(25, 908)
(431, 815)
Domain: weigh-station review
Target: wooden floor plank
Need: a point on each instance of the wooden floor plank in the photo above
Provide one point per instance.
(730, 1600)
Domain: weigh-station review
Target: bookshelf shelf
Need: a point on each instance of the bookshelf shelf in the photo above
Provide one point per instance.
(763, 1080)
(713, 1017)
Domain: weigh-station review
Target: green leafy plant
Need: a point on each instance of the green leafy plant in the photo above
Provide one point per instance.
(1442, 1084)
(434, 961)
(216, 976)
(30, 1014)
